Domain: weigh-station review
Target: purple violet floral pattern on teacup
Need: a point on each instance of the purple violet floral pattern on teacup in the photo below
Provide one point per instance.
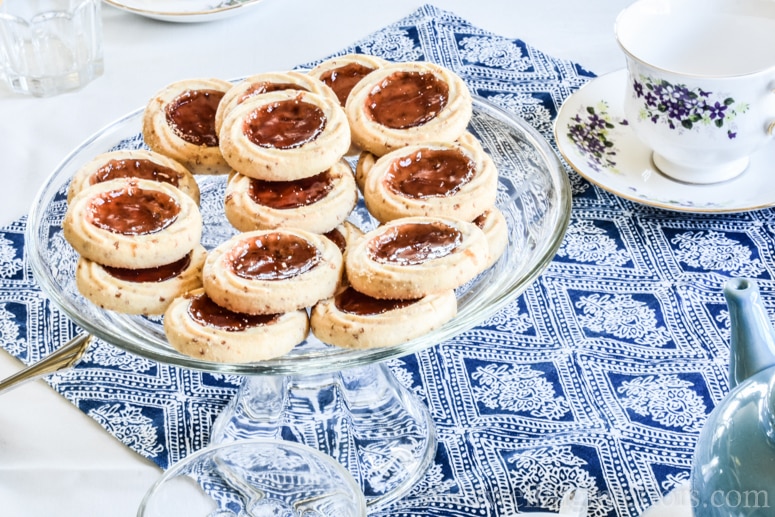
(590, 131)
(682, 108)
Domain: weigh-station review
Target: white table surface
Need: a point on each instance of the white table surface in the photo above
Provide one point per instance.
(53, 459)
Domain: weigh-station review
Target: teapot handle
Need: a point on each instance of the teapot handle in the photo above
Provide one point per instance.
(767, 410)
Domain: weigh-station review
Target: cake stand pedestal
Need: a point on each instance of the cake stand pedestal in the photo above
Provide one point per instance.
(362, 416)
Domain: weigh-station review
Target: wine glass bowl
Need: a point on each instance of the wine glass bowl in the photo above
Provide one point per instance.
(255, 478)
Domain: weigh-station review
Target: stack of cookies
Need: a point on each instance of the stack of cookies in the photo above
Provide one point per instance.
(418, 159)
(256, 288)
(133, 217)
(283, 140)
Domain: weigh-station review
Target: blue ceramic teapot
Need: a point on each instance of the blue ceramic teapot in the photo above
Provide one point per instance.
(733, 474)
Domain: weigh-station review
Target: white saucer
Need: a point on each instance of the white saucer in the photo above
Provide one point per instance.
(623, 164)
(184, 10)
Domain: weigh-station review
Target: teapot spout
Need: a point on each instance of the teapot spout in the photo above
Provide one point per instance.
(752, 344)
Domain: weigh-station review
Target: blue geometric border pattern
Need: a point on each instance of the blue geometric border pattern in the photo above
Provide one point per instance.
(600, 375)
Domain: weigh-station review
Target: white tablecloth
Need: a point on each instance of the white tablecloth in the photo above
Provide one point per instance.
(53, 459)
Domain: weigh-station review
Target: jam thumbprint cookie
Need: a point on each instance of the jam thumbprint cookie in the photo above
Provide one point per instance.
(266, 83)
(342, 73)
(137, 163)
(179, 122)
(344, 235)
(496, 229)
(198, 327)
(317, 204)
(412, 257)
(363, 166)
(408, 103)
(436, 179)
(272, 271)
(284, 135)
(132, 223)
(146, 291)
(354, 320)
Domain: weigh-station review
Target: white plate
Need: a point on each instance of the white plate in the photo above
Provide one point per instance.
(595, 139)
(184, 10)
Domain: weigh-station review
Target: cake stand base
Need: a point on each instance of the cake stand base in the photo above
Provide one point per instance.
(363, 417)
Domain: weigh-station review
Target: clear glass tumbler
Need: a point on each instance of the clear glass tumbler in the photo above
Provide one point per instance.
(50, 46)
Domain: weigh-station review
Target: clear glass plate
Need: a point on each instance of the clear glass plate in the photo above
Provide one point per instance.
(533, 194)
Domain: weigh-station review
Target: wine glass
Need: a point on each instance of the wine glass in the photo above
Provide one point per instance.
(255, 478)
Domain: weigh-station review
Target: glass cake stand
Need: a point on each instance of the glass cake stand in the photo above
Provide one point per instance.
(341, 401)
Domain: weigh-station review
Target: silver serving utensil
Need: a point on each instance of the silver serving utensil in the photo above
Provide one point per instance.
(66, 357)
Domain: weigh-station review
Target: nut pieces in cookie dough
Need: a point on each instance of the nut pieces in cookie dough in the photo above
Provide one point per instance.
(439, 179)
(284, 135)
(352, 319)
(412, 257)
(408, 103)
(272, 271)
(179, 122)
(198, 327)
(132, 223)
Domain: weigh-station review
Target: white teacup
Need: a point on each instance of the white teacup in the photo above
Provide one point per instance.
(701, 83)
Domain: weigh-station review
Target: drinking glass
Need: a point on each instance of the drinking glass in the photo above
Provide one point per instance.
(50, 46)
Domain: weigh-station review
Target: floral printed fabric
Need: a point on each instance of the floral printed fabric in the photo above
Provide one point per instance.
(599, 376)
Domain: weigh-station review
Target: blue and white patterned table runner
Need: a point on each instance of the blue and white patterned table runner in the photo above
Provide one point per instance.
(599, 376)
